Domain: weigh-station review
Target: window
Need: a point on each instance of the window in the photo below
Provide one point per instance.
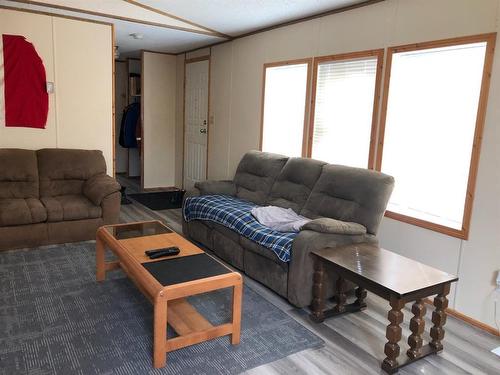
(344, 112)
(284, 107)
(432, 119)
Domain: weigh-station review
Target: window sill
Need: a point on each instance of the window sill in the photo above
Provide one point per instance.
(463, 233)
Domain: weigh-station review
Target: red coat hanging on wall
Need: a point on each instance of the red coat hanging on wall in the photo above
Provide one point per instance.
(24, 101)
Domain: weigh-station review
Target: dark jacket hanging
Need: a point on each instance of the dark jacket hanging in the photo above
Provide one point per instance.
(128, 126)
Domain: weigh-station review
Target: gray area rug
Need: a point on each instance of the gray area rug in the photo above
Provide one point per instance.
(55, 319)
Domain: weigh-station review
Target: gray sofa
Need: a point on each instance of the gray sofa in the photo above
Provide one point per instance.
(346, 205)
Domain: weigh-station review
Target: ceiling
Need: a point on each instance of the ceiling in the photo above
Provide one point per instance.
(178, 25)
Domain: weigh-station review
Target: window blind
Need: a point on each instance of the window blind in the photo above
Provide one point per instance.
(343, 111)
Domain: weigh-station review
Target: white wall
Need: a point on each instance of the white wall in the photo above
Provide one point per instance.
(78, 58)
(159, 122)
(236, 84)
(84, 86)
(179, 122)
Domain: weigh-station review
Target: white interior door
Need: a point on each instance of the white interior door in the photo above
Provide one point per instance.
(196, 123)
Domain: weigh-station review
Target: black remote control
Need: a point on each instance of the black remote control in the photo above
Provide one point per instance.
(159, 253)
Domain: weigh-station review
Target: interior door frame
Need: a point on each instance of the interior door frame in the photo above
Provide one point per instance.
(186, 62)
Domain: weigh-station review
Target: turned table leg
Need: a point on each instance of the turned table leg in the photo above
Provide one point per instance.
(417, 327)
(360, 297)
(393, 335)
(318, 303)
(439, 318)
(341, 297)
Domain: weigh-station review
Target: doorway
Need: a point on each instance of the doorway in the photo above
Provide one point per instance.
(196, 102)
(127, 96)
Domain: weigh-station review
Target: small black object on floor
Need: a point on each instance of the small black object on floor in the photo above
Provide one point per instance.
(162, 200)
(124, 196)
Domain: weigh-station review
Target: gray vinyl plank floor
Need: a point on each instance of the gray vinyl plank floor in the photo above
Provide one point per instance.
(354, 342)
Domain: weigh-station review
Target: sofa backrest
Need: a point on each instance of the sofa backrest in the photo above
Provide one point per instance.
(350, 194)
(64, 171)
(294, 183)
(18, 173)
(256, 174)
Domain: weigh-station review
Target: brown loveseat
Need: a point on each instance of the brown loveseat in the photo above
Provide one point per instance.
(54, 196)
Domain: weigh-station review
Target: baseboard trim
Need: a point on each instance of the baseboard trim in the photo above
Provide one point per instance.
(467, 319)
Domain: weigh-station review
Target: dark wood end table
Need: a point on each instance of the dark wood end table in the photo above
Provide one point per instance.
(395, 278)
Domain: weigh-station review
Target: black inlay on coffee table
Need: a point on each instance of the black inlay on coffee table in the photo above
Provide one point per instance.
(183, 269)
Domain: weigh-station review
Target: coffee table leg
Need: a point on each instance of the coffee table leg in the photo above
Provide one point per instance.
(318, 302)
(439, 318)
(237, 296)
(417, 327)
(393, 334)
(99, 260)
(160, 333)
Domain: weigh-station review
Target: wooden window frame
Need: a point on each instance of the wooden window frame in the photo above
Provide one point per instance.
(490, 40)
(379, 54)
(307, 61)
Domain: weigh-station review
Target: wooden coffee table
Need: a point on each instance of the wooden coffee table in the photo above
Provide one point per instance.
(395, 278)
(166, 282)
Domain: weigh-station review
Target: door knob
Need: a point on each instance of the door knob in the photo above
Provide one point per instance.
(203, 131)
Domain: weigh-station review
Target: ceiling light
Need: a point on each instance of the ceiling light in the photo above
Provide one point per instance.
(137, 35)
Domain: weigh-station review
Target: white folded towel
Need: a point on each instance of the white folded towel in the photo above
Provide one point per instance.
(279, 218)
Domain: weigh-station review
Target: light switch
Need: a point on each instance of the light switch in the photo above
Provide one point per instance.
(50, 87)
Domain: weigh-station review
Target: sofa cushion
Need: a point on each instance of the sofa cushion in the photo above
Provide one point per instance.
(333, 226)
(64, 171)
(231, 234)
(18, 174)
(293, 185)
(272, 275)
(235, 214)
(227, 249)
(216, 187)
(19, 211)
(254, 247)
(350, 194)
(256, 174)
(70, 207)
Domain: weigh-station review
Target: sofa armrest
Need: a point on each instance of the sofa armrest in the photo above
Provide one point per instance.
(99, 187)
(207, 188)
(194, 192)
(333, 226)
(111, 208)
(225, 187)
(301, 266)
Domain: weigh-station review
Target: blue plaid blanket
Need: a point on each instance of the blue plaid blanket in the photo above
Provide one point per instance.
(235, 214)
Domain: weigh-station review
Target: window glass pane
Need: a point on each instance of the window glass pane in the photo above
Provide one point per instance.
(343, 111)
(429, 131)
(284, 109)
